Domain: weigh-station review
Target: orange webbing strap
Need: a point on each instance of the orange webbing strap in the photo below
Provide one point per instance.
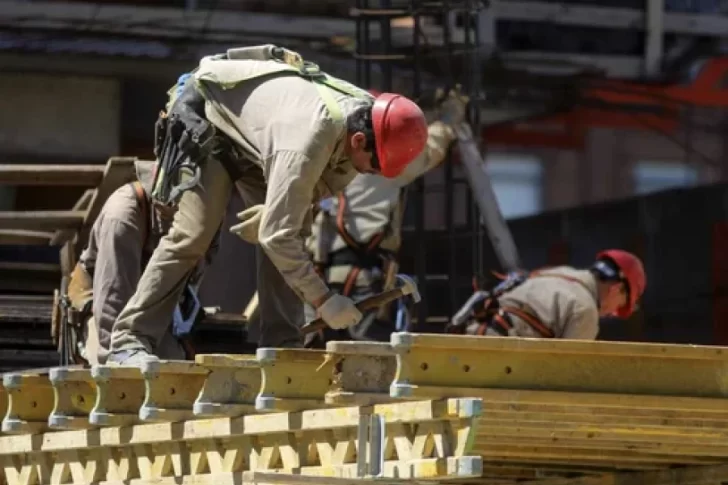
(532, 320)
(353, 244)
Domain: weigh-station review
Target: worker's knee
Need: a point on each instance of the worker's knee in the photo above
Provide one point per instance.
(199, 215)
(188, 241)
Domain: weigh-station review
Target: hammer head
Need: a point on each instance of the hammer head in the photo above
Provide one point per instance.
(408, 287)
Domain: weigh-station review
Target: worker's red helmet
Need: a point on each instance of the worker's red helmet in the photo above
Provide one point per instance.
(632, 273)
(374, 92)
(400, 132)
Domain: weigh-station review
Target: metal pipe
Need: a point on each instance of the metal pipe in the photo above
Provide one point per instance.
(419, 193)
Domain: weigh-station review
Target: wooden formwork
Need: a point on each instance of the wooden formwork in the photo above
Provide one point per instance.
(69, 228)
(425, 407)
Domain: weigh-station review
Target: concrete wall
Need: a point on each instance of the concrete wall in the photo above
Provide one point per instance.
(76, 117)
(55, 118)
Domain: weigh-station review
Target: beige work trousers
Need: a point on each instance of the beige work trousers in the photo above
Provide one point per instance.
(96, 354)
(147, 316)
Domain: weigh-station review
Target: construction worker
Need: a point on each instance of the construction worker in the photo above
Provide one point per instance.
(558, 302)
(120, 243)
(357, 234)
(289, 134)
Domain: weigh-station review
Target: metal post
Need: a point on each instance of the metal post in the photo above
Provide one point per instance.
(386, 42)
(654, 35)
(452, 245)
(419, 185)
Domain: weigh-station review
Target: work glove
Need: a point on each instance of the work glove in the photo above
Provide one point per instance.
(452, 107)
(249, 219)
(339, 312)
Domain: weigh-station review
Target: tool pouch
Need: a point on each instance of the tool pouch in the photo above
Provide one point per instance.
(183, 140)
(80, 289)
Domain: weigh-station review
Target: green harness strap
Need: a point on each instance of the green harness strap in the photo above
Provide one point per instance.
(286, 61)
(292, 62)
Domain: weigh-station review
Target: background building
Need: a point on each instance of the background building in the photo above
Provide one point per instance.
(589, 110)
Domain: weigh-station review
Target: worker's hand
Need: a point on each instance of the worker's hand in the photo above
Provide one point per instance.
(250, 219)
(339, 312)
(452, 107)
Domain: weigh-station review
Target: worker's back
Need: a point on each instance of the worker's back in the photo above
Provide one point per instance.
(281, 112)
(563, 298)
(365, 208)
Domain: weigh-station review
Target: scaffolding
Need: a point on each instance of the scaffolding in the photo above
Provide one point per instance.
(452, 52)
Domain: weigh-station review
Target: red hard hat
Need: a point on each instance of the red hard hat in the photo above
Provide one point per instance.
(633, 273)
(374, 92)
(400, 132)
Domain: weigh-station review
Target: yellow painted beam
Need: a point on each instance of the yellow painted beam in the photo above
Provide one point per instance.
(171, 388)
(74, 397)
(293, 379)
(452, 361)
(30, 402)
(363, 372)
(231, 386)
(120, 395)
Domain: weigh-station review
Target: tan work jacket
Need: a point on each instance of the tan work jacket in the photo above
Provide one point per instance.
(569, 308)
(293, 149)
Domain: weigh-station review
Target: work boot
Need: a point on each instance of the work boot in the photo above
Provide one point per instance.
(131, 357)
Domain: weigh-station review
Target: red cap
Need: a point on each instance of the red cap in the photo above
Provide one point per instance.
(400, 132)
(633, 273)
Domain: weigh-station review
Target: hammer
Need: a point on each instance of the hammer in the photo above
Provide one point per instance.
(407, 287)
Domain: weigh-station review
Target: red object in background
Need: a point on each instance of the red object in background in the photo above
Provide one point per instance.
(720, 283)
(631, 105)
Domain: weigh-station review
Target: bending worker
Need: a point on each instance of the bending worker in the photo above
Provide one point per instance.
(558, 302)
(356, 235)
(290, 135)
(121, 240)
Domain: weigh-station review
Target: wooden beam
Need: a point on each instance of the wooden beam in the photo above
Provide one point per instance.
(82, 204)
(231, 25)
(37, 278)
(51, 175)
(23, 266)
(692, 475)
(41, 220)
(222, 25)
(20, 237)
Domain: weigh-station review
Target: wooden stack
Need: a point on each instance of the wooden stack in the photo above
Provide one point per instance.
(26, 336)
(69, 228)
(424, 407)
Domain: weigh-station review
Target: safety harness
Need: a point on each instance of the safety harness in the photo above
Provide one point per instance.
(364, 254)
(185, 138)
(485, 308)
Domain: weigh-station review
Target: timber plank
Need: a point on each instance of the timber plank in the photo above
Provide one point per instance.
(51, 175)
(41, 220)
